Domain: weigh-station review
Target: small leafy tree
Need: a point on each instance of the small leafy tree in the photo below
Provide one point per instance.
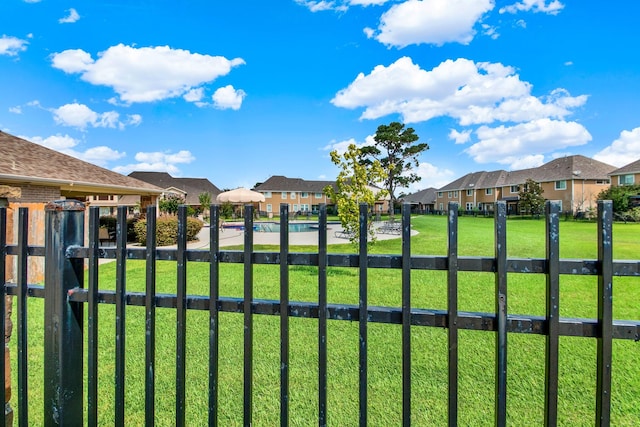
(397, 150)
(205, 202)
(619, 196)
(169, 204)
(353, 186)
(531, 198)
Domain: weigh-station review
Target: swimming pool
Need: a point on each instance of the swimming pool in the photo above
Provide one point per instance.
(274, 227)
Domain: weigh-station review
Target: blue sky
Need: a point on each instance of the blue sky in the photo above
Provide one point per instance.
(238, 91)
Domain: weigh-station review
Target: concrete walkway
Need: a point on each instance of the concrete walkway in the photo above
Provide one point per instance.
(235, 237)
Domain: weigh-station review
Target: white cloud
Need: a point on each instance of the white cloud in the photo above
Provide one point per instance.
(80, 116)
(157, 162)
(32, 1)
(431, 21)
(472, 93)
(342, 146)
(527, 162)
(65, 144)
(431, 176)
(228, 97)
(145, 74)
(72, 17)
(12, 45)
(514, 145)
(623, 150)
(322, 5)
(194, 95)
(490, 31)
(553, 7)
(15, 110)
(460, 137)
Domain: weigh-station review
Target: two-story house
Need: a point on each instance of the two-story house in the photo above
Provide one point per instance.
(302, 196)
(626, 175)
(575, 181)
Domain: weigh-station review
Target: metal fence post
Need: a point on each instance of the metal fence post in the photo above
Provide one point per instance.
(63, 342)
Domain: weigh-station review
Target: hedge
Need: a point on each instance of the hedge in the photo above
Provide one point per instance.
(167, 230)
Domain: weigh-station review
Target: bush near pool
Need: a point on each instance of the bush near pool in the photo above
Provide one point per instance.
(167, 230)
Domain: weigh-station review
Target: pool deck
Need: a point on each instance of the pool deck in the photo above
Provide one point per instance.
(234, 237)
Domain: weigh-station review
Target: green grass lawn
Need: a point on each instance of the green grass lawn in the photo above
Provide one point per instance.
(526, 295)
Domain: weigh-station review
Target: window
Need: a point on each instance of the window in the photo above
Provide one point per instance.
(455, 194)
(269, 209)
(514, 189)
(449, 194)
(625, 180)
(267, 194)
(318, 195)
(304, 195)
(441, 206)
(439, 194)
(293, 195)
(603, 181)
(469, 192)
(284, 195)
(561, 185)
(469, 206)
(488, 191)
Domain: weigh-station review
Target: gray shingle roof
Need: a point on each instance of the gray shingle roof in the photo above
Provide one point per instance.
(282, 183)
(425, 197)
(24, 161)
(563, 168)
(633, 167)
(192, 186)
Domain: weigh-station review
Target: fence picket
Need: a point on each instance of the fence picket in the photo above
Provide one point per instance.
(452, 312)
(181, 317)
(92, 317)
(150, 319)
(284, 315)
(322, 316)
(406, 315)
(248, 315)
(501, 312)
(552, 212)
(23, 386)
(3, 312)
(214, 318)
(363, 312)
(121, 302)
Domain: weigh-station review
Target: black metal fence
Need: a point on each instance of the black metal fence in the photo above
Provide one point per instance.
(66, 296)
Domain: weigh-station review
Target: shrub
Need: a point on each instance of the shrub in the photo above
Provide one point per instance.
(111, 223)
(167, 230)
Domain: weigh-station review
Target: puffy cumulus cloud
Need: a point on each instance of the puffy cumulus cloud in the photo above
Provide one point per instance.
(80, 116)
(157, 162)
(552, 7)
(145, 74)
(342, 146)
(72, 17)
(228, 97)
(527, 162)
(431, 176)
(194, 95)
(515, 145)
(15, 110)
(472, 93)
(100, 155)
(431, 21)
(623, 150)
(460, 137)
(12, 45)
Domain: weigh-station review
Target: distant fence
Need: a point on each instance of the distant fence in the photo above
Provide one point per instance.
(67, 295)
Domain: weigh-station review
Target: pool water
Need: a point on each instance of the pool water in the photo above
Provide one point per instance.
(274, 227)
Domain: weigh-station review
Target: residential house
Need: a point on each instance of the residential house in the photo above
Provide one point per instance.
(187, 188)
(301, 195)
(422, 201)
(626, 175)
(575, 181)
(32, 175)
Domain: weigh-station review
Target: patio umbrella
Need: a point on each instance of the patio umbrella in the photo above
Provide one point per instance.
(240, 195)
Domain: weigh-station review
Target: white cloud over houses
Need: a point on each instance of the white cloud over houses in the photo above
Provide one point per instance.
(228, 97)
(474, 94)
(100, 155)
(145, 74)
(431, 21)
(71, 17)
(624, 150)
(80, 116)
(552, 7)
(515, 145)
(431, 176)
(157, 162)
(11, 46)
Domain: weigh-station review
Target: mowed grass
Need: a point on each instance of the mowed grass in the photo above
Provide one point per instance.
(526, 295)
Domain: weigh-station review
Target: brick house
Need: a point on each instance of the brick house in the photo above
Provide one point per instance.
(32, 175)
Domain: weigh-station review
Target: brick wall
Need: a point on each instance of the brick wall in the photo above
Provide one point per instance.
(37, 194)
